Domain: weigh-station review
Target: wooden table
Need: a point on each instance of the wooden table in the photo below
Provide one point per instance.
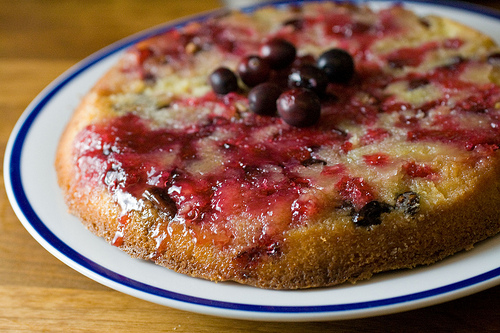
(38, 41)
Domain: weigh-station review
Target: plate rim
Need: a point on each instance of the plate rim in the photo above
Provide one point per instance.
(64, 252)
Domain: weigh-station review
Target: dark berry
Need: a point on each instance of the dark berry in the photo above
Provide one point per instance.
(397, 63)
(299, 107)
(312, 161)
(409, 202)
(425, 23)
(309, 77)
(494, 58)
(296, 24)
(279, 53)
(417, 83)
(454, 63)
(262, 98)
(253, 70)
(306, 59)
(161, 200)
(223, 81)
(337, 64)
(370, 213)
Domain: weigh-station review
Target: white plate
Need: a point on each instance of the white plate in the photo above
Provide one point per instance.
(32, 189)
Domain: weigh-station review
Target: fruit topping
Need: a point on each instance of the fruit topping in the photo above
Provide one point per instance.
(378, 159)
(374, 135)
(295, 23)
(160, 198)
(355, 191)
(253, 70)
(494, 58)
(416, 170)
(337, 64)
(417, 83)
(370, 214)
(309, 77)
(223, 163)
(279, 53)
(223, 81)
(262, 98)
(250, 257)
(409, 202)
(424, 22)
(266, 74)
(299, 107)
(313, 161)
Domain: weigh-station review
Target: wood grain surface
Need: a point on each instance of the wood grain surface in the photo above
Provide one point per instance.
(39, 40)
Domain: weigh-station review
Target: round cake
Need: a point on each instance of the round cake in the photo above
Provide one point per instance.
(293, 146)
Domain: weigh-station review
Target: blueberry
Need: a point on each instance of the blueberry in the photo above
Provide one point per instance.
(223, 81)
(262, 98)
(309, 77)
(370, 213)
(337, 64)
(312, 161)
(253, 70)
(278, 52)
(299, 107)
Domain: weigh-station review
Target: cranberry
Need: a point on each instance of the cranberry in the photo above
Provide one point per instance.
(354, 190)
(262, 98)
(337, 64)
(253, 70)
(309, 77)
(370, 213)
(223, 81)
(299, 107)
(279, 53)
(417, 170)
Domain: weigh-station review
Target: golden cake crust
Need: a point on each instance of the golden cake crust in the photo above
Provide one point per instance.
(458, 198)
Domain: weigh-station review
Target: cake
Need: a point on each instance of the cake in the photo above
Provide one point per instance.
(293, 146)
